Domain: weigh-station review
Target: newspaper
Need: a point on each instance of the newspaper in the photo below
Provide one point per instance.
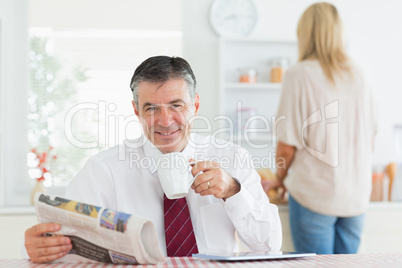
(100, 234)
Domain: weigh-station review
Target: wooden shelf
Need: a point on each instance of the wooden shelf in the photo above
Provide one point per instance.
(253, 86)
(262, 96)
(258, 40)
(252, 138)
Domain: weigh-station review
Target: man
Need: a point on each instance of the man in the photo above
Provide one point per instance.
(222, 200)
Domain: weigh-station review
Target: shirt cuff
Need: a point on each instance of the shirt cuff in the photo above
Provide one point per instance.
(240, 204)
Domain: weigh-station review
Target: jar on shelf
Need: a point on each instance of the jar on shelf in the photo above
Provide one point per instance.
(278, 68)
(248, 75)
(377, 190)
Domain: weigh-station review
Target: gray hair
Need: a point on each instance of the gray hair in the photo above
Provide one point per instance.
(160, 69)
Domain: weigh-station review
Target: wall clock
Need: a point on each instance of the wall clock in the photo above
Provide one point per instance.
(231, 18)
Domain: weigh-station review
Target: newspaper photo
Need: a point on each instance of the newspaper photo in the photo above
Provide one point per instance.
(100, 234)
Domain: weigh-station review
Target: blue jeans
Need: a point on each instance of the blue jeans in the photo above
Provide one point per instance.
(321, 234)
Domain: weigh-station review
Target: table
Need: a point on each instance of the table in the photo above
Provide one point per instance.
(388, 260)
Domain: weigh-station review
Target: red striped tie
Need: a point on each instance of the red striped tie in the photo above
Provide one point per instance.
(180, 239)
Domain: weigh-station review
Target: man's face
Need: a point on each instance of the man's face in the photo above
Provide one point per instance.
(166, 112)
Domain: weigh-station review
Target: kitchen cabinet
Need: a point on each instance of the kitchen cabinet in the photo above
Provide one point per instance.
(382, 231)
(249, 107)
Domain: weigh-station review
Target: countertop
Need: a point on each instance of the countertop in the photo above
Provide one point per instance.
(30, 210)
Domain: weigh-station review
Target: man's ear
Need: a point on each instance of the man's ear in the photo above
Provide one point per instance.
(137, 113)
(196, 103)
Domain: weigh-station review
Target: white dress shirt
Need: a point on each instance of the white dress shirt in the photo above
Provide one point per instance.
(124, 178)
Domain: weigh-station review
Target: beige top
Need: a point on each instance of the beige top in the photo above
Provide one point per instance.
(332, 129)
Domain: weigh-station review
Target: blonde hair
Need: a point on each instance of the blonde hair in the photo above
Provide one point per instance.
(320, 37)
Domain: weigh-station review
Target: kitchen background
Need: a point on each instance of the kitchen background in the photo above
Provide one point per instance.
(180, 27)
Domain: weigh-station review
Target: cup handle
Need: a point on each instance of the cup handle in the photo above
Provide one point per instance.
(192, 179)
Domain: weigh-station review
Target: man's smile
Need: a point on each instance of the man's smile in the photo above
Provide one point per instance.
(166, 133)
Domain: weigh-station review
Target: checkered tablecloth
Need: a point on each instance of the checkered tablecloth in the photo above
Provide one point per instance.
(389, 260)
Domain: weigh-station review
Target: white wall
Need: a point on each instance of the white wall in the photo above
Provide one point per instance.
(13, 97)
(106, 14)
(373, 36)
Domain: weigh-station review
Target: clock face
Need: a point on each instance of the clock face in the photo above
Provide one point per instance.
(233, 17)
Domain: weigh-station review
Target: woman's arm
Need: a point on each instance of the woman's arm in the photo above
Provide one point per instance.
(284, 157)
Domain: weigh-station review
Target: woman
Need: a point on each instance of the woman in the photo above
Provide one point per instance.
(325, 132)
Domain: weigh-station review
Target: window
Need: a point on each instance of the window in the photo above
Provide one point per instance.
(79, 100)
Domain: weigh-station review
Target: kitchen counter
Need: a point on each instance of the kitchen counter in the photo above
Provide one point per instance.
(20, 210)
(382, 205)
(382, 231)
(30, 210)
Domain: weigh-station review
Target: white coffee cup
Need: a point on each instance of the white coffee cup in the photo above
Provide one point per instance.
(174, 172)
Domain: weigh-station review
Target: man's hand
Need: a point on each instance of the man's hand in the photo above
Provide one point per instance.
(213, 181)
(41, 248)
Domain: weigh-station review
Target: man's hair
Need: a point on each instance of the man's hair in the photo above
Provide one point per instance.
(160, 69)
